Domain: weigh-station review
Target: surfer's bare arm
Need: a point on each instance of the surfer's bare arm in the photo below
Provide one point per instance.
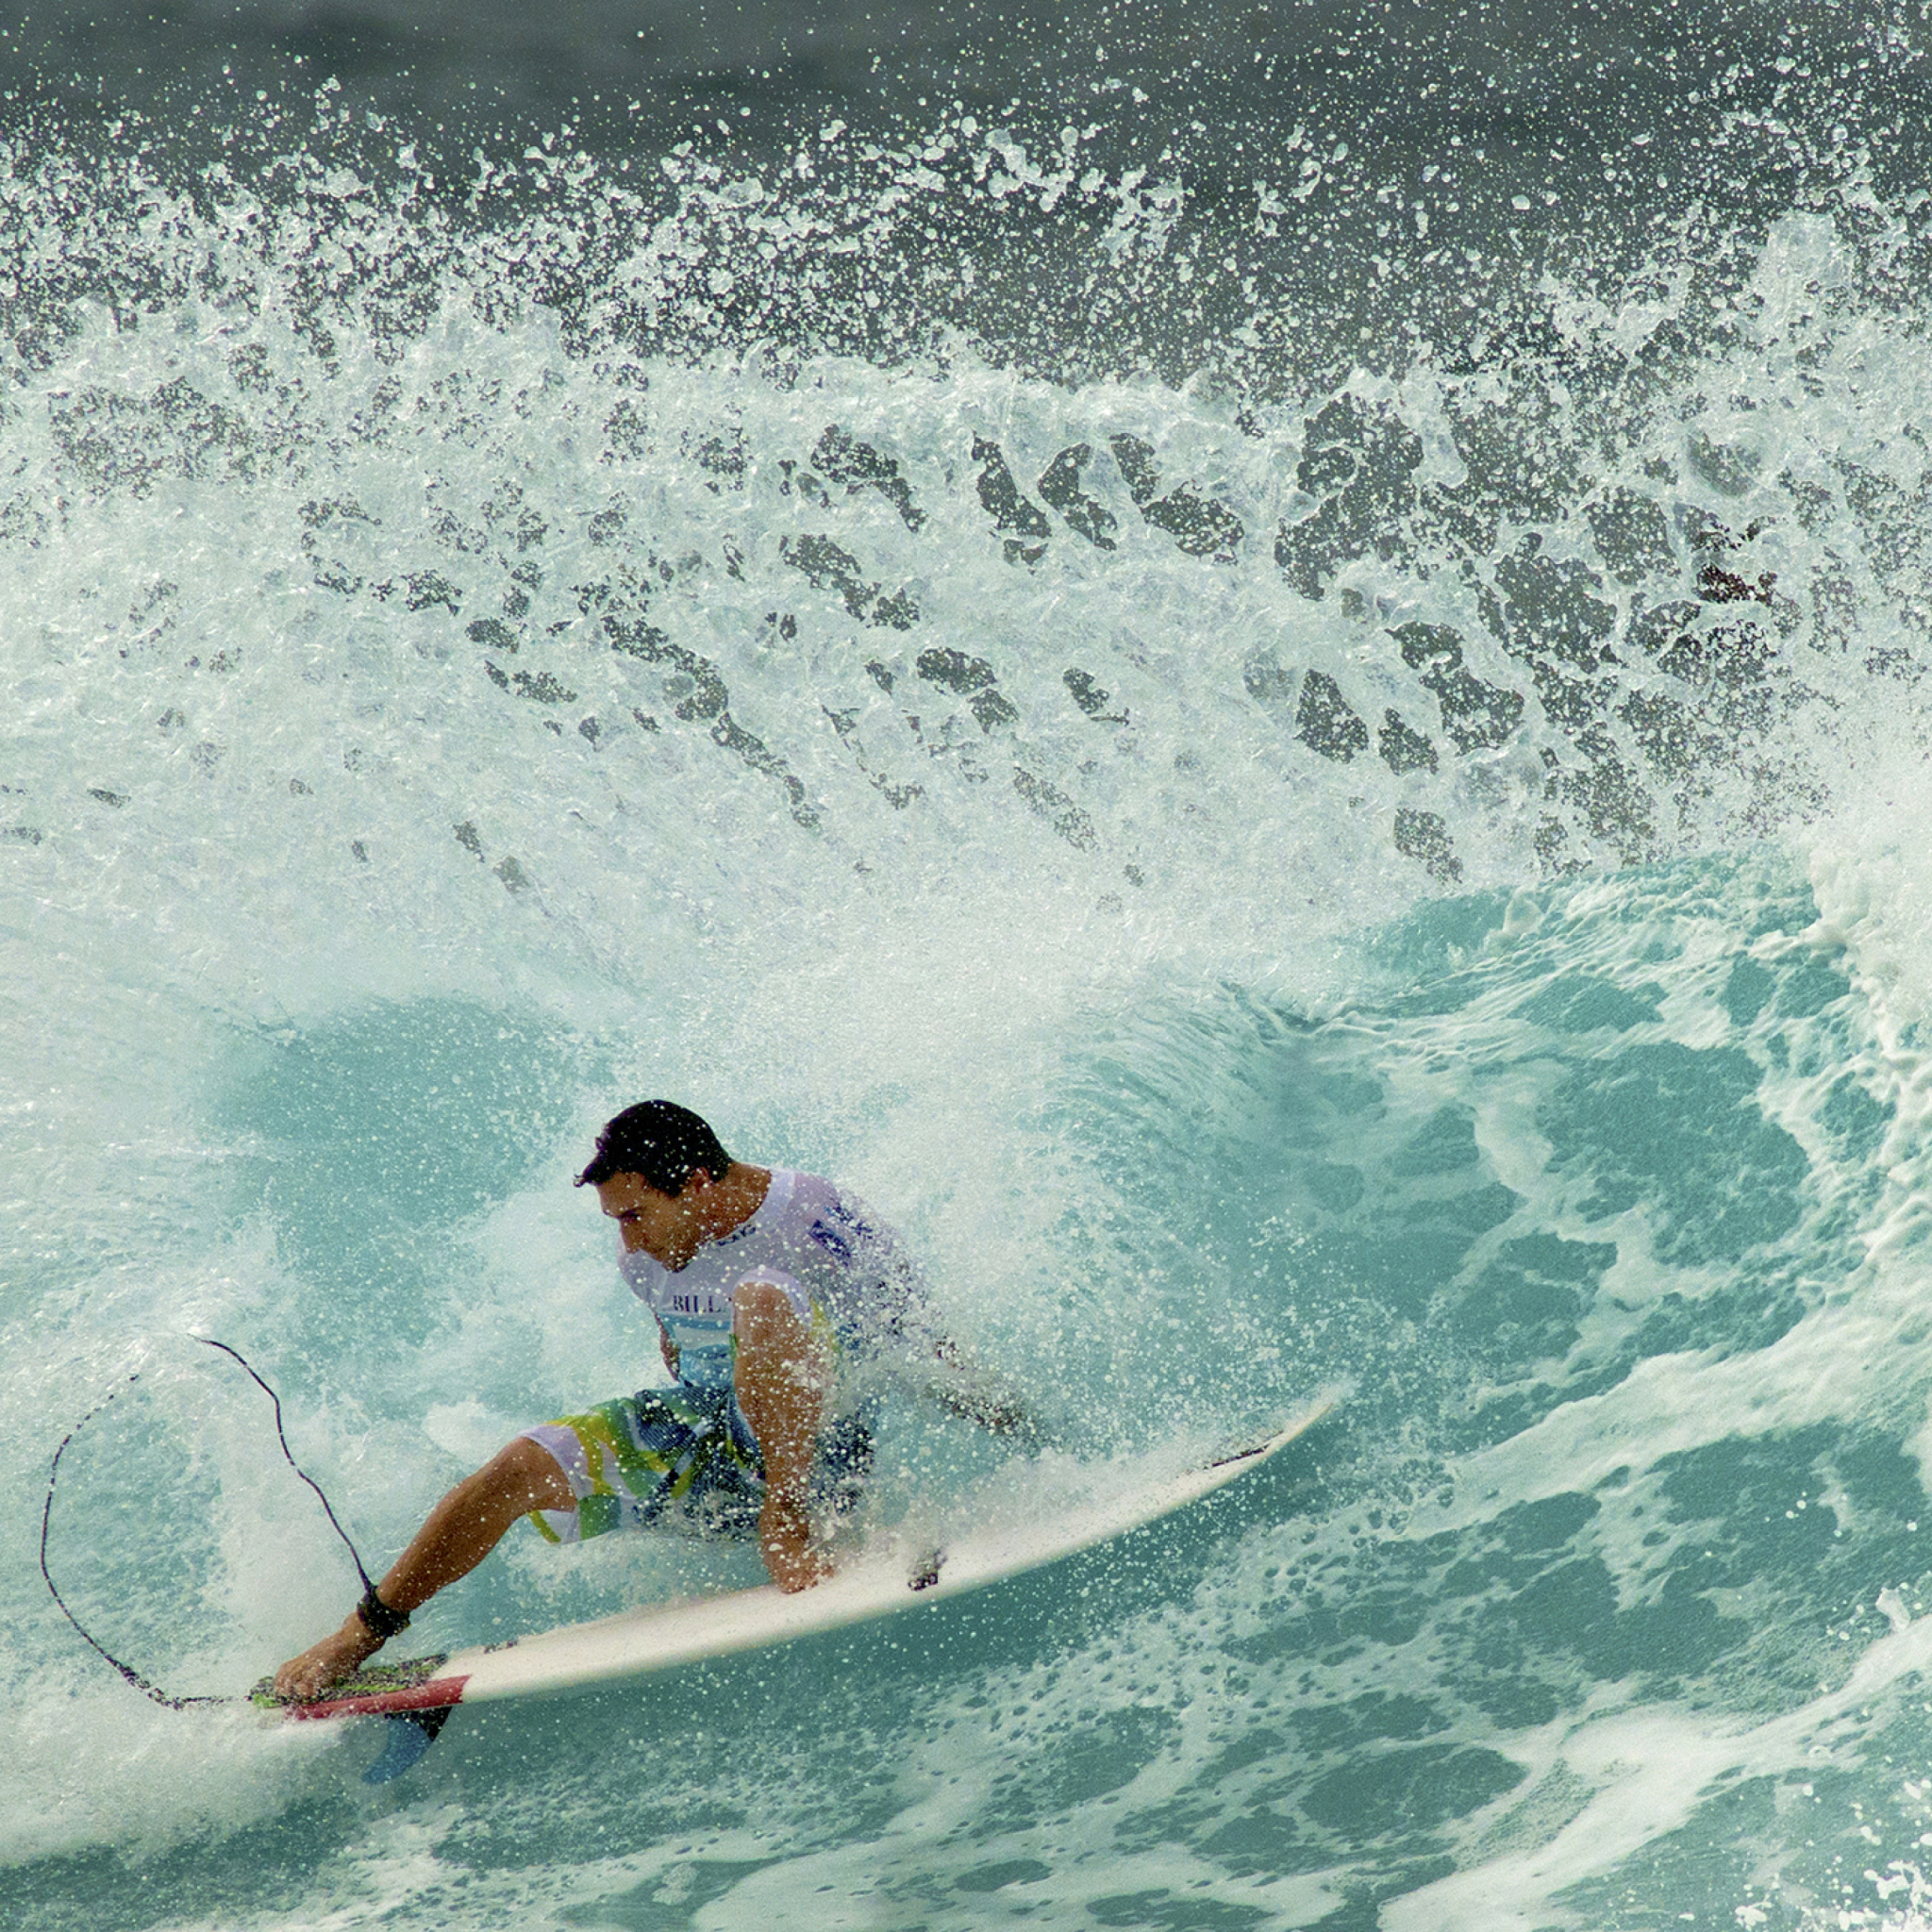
(460, 1531)
(667, 1348)
(781, 1380)
(972, 1391)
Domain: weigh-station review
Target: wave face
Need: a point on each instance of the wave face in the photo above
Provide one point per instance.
(1293, 737)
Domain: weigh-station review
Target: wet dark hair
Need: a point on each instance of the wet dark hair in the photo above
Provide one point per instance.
(661, 1143)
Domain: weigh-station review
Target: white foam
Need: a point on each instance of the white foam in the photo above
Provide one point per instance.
(890, 991)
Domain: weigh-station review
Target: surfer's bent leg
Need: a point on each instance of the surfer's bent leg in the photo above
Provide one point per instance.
(460, 1531)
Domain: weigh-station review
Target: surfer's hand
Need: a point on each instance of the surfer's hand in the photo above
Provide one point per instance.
(306, 1677)
(796, 1570)
(974, 1395)
(792, 1560)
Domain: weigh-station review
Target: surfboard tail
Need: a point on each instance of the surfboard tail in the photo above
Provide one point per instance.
(411, 1697)
(439, 1695)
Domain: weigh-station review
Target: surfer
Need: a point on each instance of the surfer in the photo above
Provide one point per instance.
(779, 1300)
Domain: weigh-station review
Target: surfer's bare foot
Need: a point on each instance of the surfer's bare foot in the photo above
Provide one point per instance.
(306, 1677)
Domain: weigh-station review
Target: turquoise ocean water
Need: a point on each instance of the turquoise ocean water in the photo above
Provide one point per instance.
(1296, 741)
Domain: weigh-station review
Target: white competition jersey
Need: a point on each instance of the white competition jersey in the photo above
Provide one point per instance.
(841, 1268)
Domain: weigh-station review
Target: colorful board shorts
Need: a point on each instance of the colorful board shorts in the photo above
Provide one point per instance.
(684, 1459)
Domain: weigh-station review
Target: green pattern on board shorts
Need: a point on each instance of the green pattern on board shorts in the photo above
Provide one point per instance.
(682, 1454)
(686, 1458)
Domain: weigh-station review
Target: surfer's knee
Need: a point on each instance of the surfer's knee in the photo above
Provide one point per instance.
(525, 1475)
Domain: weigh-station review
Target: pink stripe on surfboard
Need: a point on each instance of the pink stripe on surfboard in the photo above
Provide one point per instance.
(434, 1695)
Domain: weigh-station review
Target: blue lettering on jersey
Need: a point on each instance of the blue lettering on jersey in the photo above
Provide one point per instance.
(831, 1238)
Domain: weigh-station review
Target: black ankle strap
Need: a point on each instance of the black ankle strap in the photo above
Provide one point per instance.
(382, 1620)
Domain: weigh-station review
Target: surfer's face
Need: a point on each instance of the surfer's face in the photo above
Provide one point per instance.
(667, 1227)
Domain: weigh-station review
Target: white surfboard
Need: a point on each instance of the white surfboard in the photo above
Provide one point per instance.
(876, 1583)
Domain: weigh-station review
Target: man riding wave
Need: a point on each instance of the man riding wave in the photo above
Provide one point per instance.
(782, 1307)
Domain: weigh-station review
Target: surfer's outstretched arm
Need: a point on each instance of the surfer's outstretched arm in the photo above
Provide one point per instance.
(460, 1531)
(972, 1391)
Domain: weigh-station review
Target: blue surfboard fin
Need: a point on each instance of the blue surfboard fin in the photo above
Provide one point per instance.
(408, 1736)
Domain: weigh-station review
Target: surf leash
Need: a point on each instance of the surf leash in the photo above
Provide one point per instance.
(127, 1671)
(209, 1342)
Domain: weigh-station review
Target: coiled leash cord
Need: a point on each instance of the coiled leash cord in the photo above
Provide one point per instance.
(127, 1671)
